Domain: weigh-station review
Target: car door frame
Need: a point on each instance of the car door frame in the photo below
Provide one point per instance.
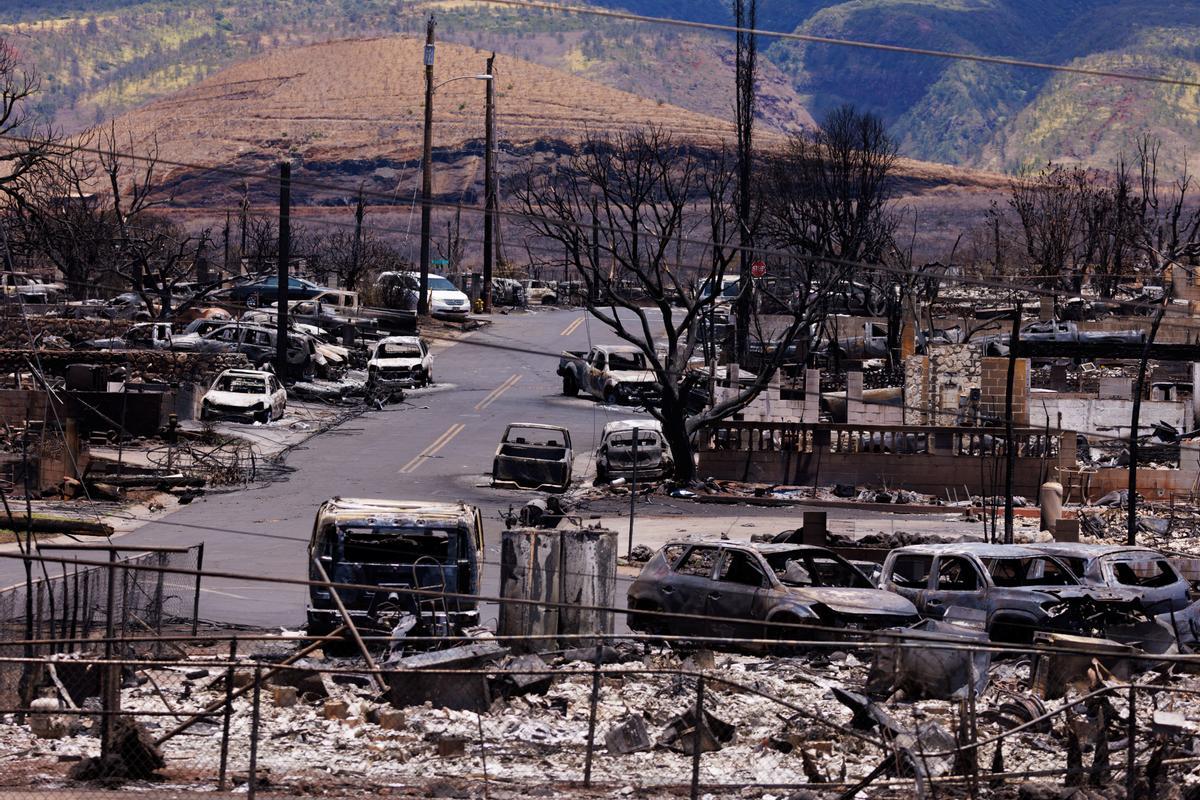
(748, 598)
(691, 592)
(595, 375)
(935, 602)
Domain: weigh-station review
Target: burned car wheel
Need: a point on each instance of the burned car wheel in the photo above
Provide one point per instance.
(647, 623)
(1011, 631)
(570, 387)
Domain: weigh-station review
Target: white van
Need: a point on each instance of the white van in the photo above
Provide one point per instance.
(445, 300)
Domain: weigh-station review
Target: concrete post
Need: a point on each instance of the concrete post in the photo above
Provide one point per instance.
(1050, 500)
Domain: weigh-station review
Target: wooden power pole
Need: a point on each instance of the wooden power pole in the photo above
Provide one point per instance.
(426, 173)
(285, 246)
(489, 185)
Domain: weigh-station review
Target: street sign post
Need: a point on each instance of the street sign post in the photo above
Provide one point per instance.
(758, 269)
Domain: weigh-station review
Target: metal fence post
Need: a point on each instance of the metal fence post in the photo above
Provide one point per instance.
(697, 738)
(1131, 760)
(110, 680)
(228, 713)
(252, 774)
(196, 597)
(587, 764)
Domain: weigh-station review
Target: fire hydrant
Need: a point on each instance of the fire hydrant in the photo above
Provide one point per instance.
(478, 305)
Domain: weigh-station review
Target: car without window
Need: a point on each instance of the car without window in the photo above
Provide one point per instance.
(532, 456)
(616, 374)
(244, 395)
(396, 545)
(1146, 571)
(400, 362)
(615, 456)
(257, 343)
(1018, 591)
(728, 589)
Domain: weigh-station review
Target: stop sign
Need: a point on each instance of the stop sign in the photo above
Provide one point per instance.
(758, 269)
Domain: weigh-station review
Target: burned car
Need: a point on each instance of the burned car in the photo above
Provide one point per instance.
(1141, 569)
(396, 545)
(1018, 591)
(728, 589)
(400, 362)
(532, 456)
(615, 456)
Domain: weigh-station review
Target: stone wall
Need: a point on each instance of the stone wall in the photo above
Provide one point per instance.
(148, 365)
(936, 383)
(15, 331)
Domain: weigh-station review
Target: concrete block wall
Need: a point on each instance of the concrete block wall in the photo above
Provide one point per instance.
(994, 385)
(17, 405)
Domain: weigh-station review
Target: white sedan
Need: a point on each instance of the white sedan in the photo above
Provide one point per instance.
(244, 395)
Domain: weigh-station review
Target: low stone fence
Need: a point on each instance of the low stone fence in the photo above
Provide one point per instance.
(922, 459)
(149, 365)
(20, 332)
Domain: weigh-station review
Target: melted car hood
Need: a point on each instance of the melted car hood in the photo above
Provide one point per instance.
(856, 601)
(1102, 594)
(396, 362)
(632, 376)
(236, 399)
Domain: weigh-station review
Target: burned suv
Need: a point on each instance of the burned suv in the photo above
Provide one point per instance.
(1139, 569)
(394, 546)
(727, 589)
(1018, 591)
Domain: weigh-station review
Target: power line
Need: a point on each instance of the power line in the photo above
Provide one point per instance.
(812, 39)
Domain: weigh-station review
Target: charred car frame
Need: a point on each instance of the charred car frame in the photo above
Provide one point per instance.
(728, 589)
(397, 546)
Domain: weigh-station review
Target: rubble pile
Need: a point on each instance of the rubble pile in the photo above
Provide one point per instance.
(767, 720)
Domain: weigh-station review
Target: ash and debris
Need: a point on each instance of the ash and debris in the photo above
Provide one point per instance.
(343, 737)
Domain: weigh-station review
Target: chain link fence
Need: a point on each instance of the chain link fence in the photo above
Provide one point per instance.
(644, 716)
(65, 605)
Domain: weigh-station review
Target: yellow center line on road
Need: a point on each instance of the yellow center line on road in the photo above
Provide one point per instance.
(494, 394)
(574, 326)
(432, 450)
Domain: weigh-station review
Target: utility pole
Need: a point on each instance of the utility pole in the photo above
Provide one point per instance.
(356, 255)
(426, 173)
(225, 243)
(1010, 448)
(746, 18)
(285, 246)
(489, 183)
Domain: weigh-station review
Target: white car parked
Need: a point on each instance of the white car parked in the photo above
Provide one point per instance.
(244, 395)
(445, 300)
(400, 362)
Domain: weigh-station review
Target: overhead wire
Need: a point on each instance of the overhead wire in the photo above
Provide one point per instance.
(840, 42)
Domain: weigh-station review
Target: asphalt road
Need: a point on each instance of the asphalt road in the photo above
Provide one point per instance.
(438, 445)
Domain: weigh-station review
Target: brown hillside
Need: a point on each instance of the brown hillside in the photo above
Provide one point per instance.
(364, 99)
(349, 113)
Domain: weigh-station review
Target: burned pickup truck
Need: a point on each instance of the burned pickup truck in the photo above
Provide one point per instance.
(1018, 591)
(396, 546)
(729, 589)
(532, 456)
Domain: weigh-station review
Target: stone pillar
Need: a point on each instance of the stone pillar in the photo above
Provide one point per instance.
(854, 398)
(993, 389)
